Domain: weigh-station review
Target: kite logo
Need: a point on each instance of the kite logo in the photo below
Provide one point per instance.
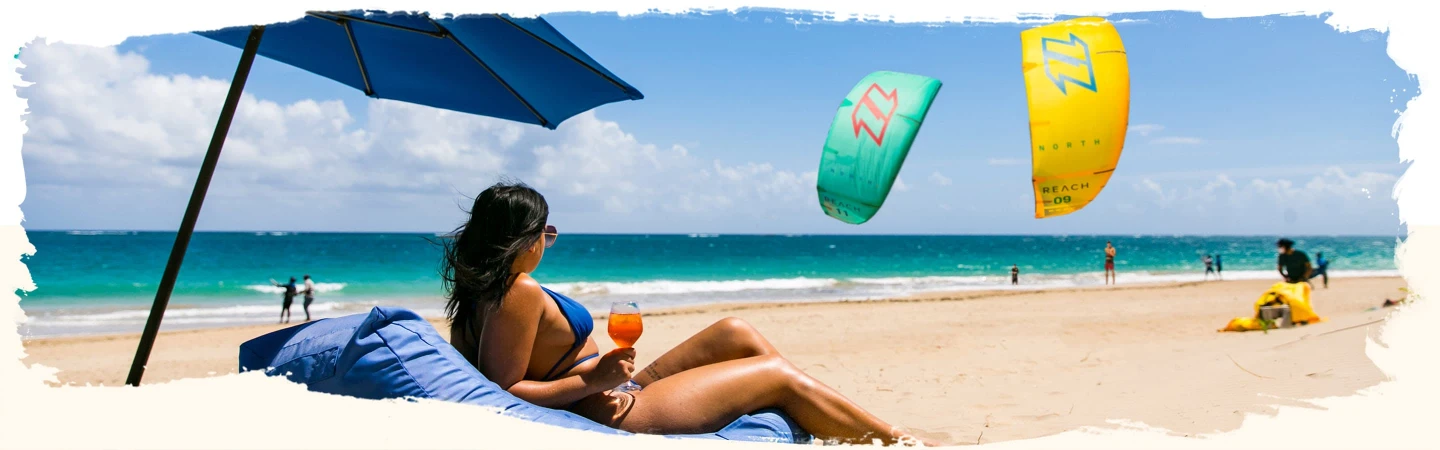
(1075, 45)
(875, 113)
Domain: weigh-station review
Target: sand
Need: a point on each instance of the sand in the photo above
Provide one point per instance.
(969, 367)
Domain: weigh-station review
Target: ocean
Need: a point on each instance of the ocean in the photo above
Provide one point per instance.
(96, 282)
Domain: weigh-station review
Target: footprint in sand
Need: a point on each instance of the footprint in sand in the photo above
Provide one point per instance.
(938, 437)
(1039, 418)
(996, 406)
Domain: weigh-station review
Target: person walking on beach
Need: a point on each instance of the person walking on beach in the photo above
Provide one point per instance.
(309, 296)
(1209, 266)
(289, 296)
(1293, 265)
(1219, 275)
(1321, 270)
(1014, 274)
(1109, 263)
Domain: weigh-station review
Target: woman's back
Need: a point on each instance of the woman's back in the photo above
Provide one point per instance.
(561, 334)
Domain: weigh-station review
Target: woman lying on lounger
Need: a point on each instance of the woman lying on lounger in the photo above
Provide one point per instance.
(536, 344)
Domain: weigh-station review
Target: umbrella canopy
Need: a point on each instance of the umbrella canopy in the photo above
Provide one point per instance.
(491, 65)
(512, 68)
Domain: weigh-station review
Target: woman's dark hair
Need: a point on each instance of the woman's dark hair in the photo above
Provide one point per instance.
(506, 219)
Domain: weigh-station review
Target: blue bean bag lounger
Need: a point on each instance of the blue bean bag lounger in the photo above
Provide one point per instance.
(394, 353)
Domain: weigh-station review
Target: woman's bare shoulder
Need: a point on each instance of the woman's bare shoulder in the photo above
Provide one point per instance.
(523, 303)
(525, 292)
(525, 284)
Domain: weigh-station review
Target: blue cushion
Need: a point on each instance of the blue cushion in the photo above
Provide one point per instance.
(394, 353)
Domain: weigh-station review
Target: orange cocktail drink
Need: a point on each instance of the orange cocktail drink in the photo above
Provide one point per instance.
(625, 325)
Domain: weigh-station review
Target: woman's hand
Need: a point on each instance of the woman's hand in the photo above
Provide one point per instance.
(612, 370)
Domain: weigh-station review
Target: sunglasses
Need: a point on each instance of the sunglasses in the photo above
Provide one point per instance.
(551, 234)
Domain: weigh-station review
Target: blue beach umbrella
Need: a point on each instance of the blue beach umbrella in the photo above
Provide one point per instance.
(492, 65)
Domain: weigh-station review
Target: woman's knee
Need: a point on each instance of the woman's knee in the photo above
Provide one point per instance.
(734, 326)
(789, 377)
(739, 331)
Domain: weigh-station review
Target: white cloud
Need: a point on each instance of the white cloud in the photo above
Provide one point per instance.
(1220, 181)
(1149, 186)
(939, 180)
(100, 120)
(1333, 187)
(1176, 140)
(900, 185)
(1333, 190)
(597, 160)
(1144, 129)
(1006, 162)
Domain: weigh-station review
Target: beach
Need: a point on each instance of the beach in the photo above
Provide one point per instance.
(968, 366)
(98, 283)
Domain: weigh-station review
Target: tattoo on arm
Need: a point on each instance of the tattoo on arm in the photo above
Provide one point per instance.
(654, 374)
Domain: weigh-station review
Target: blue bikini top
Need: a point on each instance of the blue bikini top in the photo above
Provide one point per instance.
(580, 325)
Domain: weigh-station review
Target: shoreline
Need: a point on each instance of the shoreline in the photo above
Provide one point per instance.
(100, 231)
(743, 305)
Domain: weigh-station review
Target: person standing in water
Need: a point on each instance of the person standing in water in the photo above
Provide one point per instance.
(1218, 268)
(1209, 266)
(1014, 274)
(1292, 264)
(1109, 263)
(1321, 269)
(289, 298)
(309, 296)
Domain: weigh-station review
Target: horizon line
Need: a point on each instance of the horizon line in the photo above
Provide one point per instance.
(715, 234)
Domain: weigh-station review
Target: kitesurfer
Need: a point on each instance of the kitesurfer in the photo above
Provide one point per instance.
(1109, 263)
(1293, 265)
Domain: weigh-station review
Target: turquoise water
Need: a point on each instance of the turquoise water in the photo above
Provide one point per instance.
(102, 282)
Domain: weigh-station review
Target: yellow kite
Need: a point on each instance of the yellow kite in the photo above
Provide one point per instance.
(1077, 82)
(1294, 295)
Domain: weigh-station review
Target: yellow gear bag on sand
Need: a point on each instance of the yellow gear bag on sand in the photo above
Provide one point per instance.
(1294, 295)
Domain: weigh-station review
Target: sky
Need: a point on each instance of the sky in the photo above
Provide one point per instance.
(1254, 126)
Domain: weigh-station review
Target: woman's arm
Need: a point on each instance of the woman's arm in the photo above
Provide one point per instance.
(507, 340)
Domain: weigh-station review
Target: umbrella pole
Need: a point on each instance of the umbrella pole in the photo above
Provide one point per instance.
(192, 212)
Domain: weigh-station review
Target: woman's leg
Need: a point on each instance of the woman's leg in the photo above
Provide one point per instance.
(706, 398)
(725, 340)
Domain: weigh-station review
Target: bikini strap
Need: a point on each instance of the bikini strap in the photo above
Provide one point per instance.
(573, 347)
